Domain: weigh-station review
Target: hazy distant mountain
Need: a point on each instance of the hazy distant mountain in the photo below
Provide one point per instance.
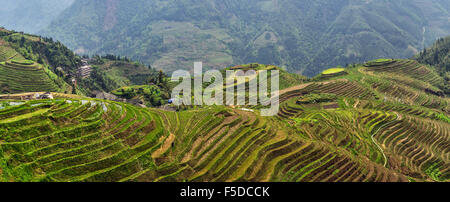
(30, 15)
(304, 36)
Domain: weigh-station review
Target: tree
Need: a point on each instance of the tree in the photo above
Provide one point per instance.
(160, 77)
(22, 41)
(40, 60)
(436, 57)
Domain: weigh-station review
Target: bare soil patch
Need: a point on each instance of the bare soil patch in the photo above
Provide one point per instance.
(166, 145)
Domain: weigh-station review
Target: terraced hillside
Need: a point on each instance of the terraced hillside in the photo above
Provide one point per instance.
(7, 52)
(345, 127)
(30, 63)
(25, 76)
(88, 140)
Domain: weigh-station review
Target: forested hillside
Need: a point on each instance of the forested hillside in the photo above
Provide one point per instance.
(30, 63)
(438, 56)
(301, 36)
(30, 16)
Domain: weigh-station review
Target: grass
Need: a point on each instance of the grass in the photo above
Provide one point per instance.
(333, 71)
(443, 117)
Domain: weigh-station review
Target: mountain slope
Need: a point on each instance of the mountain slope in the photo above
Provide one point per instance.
(300, 36)
(438, 56)
(367, 123)
(30, 16)
(28, 64)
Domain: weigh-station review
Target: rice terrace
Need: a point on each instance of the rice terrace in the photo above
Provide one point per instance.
(339, 129)
(105, 110)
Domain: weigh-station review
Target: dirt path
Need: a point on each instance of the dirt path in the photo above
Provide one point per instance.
(399, 117)
(10, 58)
(379, 147)
(164, 147)
(301, 86)
(356, 104)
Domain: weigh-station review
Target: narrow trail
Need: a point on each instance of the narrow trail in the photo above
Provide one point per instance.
(165, 146)
(379, 147)
(10, 58)
(298, 87)
(365, 71)
(356, 104)
(399, 117)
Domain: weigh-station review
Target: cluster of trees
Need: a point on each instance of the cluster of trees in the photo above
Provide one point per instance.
(114, 57)
(159, 79)
(438, 55)
(157, 82)
(317, 98)
(152, 95)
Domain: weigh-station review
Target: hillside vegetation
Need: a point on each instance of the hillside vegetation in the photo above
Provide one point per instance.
(378, 122)
(438, 56)
(28, 64)
(25, 76)
(302, 36)
(111, 72)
